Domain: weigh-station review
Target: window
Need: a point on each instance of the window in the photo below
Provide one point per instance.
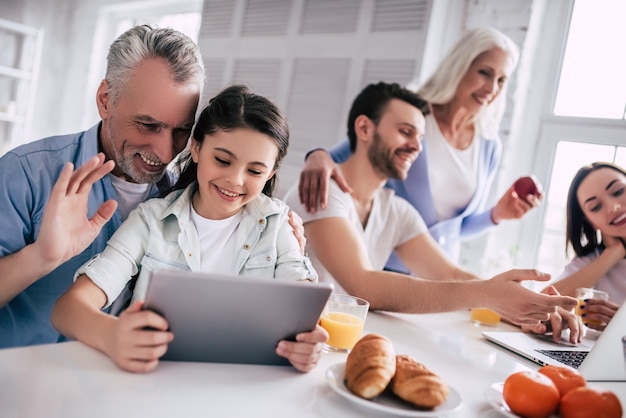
(113, 20)
(592, 82)
(581, 99)
(19, 69)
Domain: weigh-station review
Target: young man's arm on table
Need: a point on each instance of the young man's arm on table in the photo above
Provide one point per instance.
(425, 259)
(342, 252)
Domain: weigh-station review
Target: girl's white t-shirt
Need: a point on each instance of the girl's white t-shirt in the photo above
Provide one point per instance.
(452, 172)
(129, 195)
(217, 242)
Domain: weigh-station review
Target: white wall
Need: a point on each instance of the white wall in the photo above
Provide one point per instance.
(56, 18)
(68, 40)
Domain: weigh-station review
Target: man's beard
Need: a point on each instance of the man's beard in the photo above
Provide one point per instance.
(125, 162)
(381, 158)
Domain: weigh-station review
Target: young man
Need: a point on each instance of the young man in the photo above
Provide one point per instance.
(351, 239)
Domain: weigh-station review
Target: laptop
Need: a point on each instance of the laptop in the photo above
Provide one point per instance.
(599, 360)
(233, 319)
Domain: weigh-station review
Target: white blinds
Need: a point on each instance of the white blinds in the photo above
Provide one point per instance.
(311, 57)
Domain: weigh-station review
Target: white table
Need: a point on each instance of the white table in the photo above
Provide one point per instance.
(72, 380)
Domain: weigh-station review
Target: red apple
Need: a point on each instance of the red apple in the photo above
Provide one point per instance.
(528, 185)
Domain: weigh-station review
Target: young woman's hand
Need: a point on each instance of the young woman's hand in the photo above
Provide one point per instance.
(306, 351)
(616, 244)
(139, 339)
(601, 311)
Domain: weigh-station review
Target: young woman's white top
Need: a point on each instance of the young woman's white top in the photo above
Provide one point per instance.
(614, 282)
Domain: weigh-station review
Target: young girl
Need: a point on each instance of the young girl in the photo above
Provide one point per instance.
(218, 218)
(596, 230)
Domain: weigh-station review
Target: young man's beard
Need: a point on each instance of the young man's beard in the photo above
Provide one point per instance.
(381, 158)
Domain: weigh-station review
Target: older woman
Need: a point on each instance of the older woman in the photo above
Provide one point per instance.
(449, 182)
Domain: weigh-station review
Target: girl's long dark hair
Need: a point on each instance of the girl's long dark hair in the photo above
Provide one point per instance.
(233, 108)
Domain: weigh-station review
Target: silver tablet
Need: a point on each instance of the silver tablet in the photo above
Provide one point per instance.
(233, 319)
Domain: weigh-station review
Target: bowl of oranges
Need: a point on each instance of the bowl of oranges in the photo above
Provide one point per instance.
(552, 391)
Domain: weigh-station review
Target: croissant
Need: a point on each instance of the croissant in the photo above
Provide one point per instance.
(417, 385)
(370, 366)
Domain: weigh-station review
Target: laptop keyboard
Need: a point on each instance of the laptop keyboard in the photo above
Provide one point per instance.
(570, 358)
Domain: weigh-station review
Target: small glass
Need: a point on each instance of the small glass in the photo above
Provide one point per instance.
(583, 293)
(344, 318)
(484, 316)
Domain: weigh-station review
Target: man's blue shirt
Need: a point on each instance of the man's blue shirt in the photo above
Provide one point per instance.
(28, 174)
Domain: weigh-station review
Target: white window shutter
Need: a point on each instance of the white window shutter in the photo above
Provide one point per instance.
(311, 57)
(260, 75)
(266, 18)
(217, 18)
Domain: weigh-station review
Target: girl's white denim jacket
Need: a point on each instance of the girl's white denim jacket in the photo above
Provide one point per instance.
(160, 234)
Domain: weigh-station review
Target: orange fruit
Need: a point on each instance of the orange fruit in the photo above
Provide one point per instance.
(531, 394)
(564, 378)
(585, 402)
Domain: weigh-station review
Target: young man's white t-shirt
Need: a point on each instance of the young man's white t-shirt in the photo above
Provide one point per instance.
(392, 221)
(217, 242)
(129, 195)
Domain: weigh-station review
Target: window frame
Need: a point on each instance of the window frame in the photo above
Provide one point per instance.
(550, 128)
(105, 33)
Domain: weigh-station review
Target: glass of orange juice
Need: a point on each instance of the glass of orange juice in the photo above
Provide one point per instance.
(484, 316)
(343, 318)
(584, 293)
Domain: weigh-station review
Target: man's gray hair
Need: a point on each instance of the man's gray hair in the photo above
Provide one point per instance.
(144, 42)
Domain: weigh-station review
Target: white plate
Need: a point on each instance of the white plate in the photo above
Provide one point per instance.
(494, 395)
(389, 403)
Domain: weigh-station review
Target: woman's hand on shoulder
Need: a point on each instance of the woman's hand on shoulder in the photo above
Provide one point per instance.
(615, 244)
